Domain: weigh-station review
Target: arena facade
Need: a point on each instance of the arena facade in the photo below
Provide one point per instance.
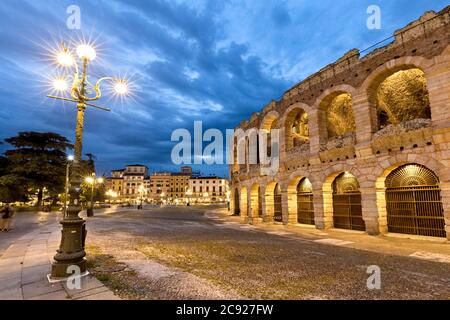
(364, 143)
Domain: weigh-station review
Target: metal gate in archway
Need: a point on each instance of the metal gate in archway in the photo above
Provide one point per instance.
(305, 206)
(237, 204)
(277, 210)
(347, 209)
(413, 202)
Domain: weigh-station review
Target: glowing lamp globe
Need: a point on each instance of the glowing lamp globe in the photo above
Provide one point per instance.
(65, 59)
(121, 88)
(87, 52)
(60, 84)
(89, 180)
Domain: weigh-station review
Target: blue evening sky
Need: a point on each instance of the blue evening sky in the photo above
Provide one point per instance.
(216, 61)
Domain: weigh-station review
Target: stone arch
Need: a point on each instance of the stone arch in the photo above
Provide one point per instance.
(269, 122)
(268, 119)
(397, 68)
(327, 189)
(347, 203)
(243, 202)
(298, 113)
(256, 201)
(418, 187)
(335, 113)
(293, 198)
(252, 146)
(269, 201)
(386, 167)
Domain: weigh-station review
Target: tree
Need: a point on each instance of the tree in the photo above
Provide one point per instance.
(12, 188)
(39, 159)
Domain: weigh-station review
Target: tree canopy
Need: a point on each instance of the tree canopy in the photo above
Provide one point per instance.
(38, 160)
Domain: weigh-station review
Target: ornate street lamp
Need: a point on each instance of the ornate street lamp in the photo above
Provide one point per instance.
(82, 92)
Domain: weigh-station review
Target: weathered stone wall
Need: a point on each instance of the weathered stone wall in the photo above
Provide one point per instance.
(368, 155)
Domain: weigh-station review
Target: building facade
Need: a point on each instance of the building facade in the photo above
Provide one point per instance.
(169, 187)
(114, 184)
(133, 184)
(364, 143)
(211, 189)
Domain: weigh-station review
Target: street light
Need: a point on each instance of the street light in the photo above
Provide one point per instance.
(92, 181)
(189, 195)
(81, 92)
(141, 194)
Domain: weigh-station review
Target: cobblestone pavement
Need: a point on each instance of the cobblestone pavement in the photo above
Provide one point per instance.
(190, 253)
(25, 261)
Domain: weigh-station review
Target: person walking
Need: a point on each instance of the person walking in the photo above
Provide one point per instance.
(7, 214)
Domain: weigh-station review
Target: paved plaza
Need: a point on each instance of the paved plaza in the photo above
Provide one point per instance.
(204, 253)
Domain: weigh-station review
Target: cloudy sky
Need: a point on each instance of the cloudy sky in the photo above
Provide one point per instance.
(215, 61)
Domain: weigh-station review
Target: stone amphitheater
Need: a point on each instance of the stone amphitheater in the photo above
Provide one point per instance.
(364, 144)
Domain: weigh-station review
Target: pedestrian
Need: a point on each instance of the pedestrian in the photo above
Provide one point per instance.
(7, 214)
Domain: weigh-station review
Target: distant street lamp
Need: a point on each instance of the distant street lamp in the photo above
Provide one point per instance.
(82, 92)
(92, 181)
(189, 195)
(141, 195)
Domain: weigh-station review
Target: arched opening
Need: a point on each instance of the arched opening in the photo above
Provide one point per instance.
(401, 98)
(296, 129)
(337, 122)
(347, 209)
(271, 152)
(413, 202)
(305, 205)
(270, 123)
(277, 209)
(339, 114)
(256, 201)
(237, 206)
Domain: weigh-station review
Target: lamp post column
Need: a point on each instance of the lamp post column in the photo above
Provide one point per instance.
(71, 251)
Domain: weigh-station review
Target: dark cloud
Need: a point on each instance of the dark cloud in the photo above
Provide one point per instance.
(215, 61)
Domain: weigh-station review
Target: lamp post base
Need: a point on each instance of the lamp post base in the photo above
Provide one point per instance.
(70, 257)
(63, 270)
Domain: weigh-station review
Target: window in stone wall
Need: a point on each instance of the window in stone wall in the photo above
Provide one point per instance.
(402, 97)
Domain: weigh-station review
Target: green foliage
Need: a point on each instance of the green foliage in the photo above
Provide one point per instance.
(37, 161)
